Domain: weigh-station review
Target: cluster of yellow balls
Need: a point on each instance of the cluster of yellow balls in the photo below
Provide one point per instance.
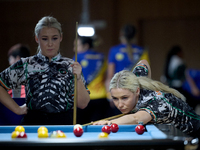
(43, 133)
(18, 130)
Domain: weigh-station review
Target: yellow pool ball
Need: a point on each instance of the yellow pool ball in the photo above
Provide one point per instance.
(43, 134)
(61, 135)
(42, 128)
(19, 128)
(15, 134)
(103, 135)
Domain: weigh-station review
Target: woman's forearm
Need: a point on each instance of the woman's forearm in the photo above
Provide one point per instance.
(83, 97)
(127, 119)
(7, 101)
(140, 116)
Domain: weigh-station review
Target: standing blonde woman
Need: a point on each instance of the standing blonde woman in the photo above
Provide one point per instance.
(49, 80)
(149, 101)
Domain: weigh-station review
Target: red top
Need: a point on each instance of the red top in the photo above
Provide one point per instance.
(23, 93)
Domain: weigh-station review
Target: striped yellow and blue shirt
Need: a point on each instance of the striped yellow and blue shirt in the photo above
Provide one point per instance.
(94, 66)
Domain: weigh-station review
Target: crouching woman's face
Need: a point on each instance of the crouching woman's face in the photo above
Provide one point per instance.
(124, 99)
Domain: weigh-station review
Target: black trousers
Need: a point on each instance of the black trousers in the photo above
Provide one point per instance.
(34, 117)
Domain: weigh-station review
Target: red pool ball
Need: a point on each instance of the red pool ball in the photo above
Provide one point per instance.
(78, 132)
(114, 127)
(139, 129)
(106, 129)
(22, 135)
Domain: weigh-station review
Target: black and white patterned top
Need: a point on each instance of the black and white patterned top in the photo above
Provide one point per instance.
(49, 85)
(166, 107)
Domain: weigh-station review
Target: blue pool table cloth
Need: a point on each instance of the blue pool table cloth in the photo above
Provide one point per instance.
(126, 132)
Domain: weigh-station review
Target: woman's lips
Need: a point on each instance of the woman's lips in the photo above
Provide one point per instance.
(122, 110)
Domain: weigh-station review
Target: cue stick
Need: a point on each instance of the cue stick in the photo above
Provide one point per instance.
(109, 118)
(75, 82)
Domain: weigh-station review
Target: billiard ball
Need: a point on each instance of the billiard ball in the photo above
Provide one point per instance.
(59, 131)
(19, 128)
(139, 129)
(103, 135)
(42, 128)
(15, 134)
(43, 134)
(61, 135)
(22, 135)
(78, 132)
(114, 127)
(78, 125)
(106, 129)
(53, 134)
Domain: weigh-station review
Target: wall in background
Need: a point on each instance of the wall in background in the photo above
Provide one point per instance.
(152, 18)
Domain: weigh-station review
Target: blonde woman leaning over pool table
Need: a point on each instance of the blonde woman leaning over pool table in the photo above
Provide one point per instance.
(149, 101)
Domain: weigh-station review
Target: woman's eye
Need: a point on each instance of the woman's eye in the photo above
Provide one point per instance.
(114, 98)
(44, 39)
(124, 98)
(55, 38)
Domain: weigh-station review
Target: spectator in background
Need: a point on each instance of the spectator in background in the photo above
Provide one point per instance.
(186, 81)
(15, 53)
(94, 67)
(175, 68)
(124, 55)
(191, 88)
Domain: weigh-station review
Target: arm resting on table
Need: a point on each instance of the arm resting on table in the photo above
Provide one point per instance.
(140, 116)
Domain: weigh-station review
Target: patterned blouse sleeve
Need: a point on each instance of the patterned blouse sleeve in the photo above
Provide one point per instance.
(13, 76)
(156, 106)
(140, 70)
(151, 113)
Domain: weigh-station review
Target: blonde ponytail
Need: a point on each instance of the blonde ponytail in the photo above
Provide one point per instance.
(146, 83)
(127, 80)
(129, 52)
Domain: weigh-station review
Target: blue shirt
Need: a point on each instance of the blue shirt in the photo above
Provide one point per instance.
(93, 67)
(91, 62)
(195, 75)
(118, 55)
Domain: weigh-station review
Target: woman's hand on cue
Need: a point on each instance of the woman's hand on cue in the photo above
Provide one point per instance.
(77, 69)
(103, 122)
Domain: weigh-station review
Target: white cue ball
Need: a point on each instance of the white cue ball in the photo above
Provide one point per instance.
(78, 125)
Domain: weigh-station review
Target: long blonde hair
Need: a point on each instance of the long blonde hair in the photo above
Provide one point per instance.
(128, 80)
